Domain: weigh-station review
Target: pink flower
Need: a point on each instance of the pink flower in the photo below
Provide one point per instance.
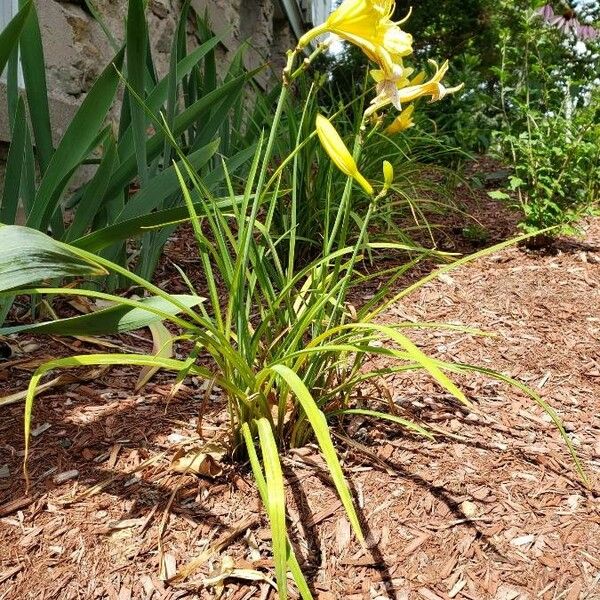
(567, 22)
(546, 12)
(587, 32)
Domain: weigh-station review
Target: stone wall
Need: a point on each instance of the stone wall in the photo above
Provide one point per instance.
(77, 50)
(261, 23)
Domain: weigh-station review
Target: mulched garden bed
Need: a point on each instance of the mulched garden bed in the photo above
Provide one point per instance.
(491, 510)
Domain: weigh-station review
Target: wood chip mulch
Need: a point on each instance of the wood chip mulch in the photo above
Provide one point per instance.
(492, 509)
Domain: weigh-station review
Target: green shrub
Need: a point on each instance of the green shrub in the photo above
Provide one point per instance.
(556, 168)
(550, 106)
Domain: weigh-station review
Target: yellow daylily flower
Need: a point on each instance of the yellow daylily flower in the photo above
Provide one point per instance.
(368, 24)
(419, 78)
(339, 154)
(402, 95)
(402, 122)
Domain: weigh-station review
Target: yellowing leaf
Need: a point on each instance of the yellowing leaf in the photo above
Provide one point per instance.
(162, 346)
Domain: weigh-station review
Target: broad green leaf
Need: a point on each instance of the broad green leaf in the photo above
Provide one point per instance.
(108, 321)
(158, 96)
(217, 117)
(209, 81)
(28, 178)
(178, 49)
(29, 256)
(12, 85)
(98, 240)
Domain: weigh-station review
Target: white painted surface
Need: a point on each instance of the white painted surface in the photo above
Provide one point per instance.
(8, 9)
(321, 10)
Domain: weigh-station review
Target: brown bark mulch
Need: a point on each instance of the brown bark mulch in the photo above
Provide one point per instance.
(492, 509)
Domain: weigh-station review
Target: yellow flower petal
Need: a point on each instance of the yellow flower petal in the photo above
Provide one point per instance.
(419, 78)
(367, 24)
(402, 122)
(339, 154)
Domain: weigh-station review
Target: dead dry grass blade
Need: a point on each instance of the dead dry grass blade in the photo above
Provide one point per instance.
(96, 489)
(219, 545)
(63, 379)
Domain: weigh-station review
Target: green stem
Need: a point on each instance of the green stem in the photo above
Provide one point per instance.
(244, 338)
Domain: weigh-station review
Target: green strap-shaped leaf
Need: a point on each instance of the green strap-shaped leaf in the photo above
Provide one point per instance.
(91, 201)
(209, 80)
(98, 240)
(9, 202)
(116, 319)
(34, 74)
(275, 502)
(164, 185)
(29, 256)
(183, 121)
(178, 50)
(407, 423)
(426, 362)
(261, 484)
(75, 144)
(418, 356)
(158, 96)
(137, 42)
(319, 424)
